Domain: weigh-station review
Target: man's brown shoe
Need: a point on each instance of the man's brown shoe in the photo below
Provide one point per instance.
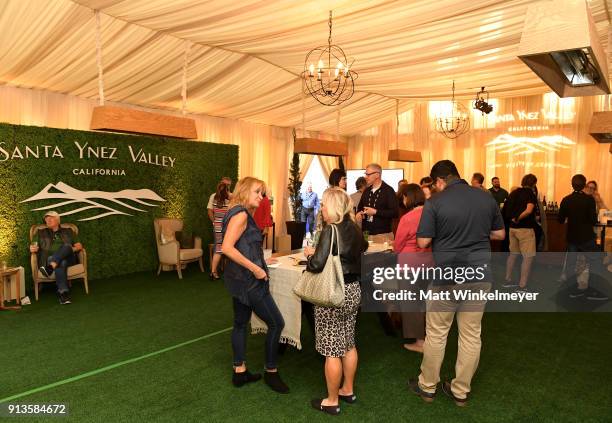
(446, 388)
(413, 385)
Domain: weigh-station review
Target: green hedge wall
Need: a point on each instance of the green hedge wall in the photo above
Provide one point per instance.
(115, 244)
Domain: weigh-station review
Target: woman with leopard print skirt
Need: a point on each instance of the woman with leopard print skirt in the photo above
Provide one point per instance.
(335, 327)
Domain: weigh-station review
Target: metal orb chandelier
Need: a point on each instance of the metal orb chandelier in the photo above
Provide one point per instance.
(327, 74)
(455, 121)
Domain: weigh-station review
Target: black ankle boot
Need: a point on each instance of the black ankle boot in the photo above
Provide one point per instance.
(240, 379)
(274, 381)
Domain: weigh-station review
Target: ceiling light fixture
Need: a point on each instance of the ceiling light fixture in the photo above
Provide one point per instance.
(454, 122)
(577, 67)
(327, 74)
(399, 155)
(481, 102)
(566, 51)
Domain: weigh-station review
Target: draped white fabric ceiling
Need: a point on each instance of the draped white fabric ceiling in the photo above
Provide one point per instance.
(247, 54)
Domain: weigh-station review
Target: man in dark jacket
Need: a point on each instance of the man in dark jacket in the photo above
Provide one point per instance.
(579, 210)
(500, 194)
(376, 210)
(378, 205)
(520, 210)
(56, 248)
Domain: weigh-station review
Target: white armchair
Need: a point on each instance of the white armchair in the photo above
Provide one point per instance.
(171, 255)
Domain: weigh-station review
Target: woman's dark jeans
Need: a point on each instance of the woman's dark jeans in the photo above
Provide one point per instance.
(265, 308)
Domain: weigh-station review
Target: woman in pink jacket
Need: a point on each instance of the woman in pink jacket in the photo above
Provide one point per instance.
(405, 245)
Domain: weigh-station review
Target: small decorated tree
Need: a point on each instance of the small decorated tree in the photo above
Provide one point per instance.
(295, 186)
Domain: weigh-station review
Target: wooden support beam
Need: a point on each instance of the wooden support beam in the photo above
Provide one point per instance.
(118, 119)
(320, 147)
(601, 127)
(405, 156)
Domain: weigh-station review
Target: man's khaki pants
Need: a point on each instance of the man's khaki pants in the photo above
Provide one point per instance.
(438, 323)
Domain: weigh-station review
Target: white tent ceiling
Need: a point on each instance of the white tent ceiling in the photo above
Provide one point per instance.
(247, 55)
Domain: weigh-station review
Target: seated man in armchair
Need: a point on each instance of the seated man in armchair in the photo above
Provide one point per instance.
(56, 252)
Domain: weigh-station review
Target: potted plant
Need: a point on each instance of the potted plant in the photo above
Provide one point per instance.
(295, 228)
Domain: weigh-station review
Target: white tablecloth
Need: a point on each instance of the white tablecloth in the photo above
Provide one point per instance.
(282, 280)
(379, 247)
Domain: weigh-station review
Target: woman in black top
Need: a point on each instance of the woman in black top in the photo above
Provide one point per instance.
(335, 327)
(337, 178)
(246, 278)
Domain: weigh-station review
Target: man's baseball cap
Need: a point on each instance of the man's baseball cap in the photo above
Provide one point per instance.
(51, 213)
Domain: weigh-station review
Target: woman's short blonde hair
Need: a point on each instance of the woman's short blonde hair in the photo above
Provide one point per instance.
(338, 204)
(243, 188)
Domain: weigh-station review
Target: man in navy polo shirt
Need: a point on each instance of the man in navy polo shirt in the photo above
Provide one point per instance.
(457, 223)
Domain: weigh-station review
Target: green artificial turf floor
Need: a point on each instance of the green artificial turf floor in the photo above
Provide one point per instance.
(534, 367)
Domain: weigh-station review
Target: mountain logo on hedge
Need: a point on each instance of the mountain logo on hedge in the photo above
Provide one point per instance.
(103, 203)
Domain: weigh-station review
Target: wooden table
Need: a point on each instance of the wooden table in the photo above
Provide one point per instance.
(556, 233)
(9, 272)
(602, 238)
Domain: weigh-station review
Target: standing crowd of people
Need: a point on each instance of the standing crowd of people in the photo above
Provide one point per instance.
(443, 215)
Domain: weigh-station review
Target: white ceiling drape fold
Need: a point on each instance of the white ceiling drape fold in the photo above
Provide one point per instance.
(247, 55)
